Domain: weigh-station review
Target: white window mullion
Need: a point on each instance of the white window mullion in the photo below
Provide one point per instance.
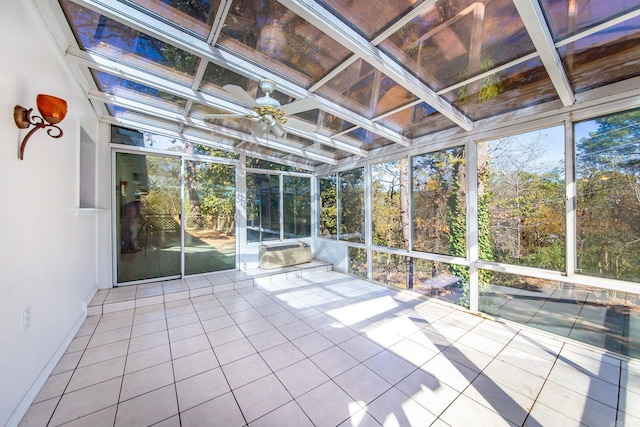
(570, 199)
(471, 154)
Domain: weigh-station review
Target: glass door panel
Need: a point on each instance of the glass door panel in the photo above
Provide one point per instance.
(148, 217)
(209, 212)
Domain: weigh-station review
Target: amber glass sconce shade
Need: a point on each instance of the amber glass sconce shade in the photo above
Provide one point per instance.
(52, 111)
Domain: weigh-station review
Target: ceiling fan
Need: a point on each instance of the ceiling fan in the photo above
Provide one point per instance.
(270, 115)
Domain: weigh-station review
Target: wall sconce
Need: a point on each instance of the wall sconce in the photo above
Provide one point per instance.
(52, 110)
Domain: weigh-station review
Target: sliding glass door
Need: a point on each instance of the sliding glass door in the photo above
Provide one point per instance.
(160, 235)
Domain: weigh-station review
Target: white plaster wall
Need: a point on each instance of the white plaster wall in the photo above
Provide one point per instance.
(333, 252)
(48, 248)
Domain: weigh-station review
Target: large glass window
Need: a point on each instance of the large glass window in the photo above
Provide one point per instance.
(328, 207)
(263, 207)
(593, 315)
(439, 204)
(390, 204)
(352, 205)
(521, 193)
(296, 206)
(608, 202)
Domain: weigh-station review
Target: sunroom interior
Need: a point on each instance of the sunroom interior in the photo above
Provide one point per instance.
(482, 154)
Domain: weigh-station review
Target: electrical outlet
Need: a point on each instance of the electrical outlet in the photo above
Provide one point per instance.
(26, 318)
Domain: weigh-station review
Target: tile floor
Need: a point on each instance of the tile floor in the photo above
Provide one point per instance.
(326, 350)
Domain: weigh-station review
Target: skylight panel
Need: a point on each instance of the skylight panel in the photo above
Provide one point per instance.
(517, 87)
(569, 17)
(365, 90)
(114, 85)
(448, 43)
(275, 38)
(368, 20)
(97, 33)
(416, 121)
(605, 57)
(195, 17)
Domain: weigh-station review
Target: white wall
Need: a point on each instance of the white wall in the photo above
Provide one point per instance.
(48, 248)
(333, 252)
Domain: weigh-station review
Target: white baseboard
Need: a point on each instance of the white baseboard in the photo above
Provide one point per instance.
(29, 397)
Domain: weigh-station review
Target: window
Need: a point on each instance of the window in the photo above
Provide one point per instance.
(352, 205)
(296, 206)
(439, 205)
(328, 207)
(263, 207)
(390, 204)
(521, 193)
(608, 196)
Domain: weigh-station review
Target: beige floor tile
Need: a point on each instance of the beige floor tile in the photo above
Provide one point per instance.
(289, 415)
(465, 411)
(281, 356)
(148, 408)
(54, 386)
(83, 402)
(194, 364)
(104, 417)
(245, 370)
(394, 408)
(145, 342)
(428, 391)
(334, 361)
(103, 353)
(96, 373)
(362, 384)
(220, 411)
(389, 366)
(200, 388)
(261, 397)
(232, 351)
(508, 403)
(301, 377)
(189, 346)
(146, 380)
(39, 413)
(147, 358)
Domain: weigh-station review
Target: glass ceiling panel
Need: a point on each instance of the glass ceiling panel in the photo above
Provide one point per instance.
(98, 33)
(569, 17)
(365, 90)
(327, 123)
(517, 87)
(277, 39)
(217, 76)
(416, 121)
(239, 124)
(368, 20)
(128, 89)
(188, 15)
(454, 41)
(604, 57)
(366, 139)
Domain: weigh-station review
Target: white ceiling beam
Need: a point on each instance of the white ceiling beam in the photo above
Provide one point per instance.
(218, 23)
(536, 26)
(335, 28)
(161, 113)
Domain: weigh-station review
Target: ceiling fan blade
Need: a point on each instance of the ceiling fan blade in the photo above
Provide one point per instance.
(300, 125)
(300, 106)
(223, 116)
(240, 95)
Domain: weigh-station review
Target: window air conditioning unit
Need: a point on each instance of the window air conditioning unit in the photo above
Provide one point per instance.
(276, 256)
